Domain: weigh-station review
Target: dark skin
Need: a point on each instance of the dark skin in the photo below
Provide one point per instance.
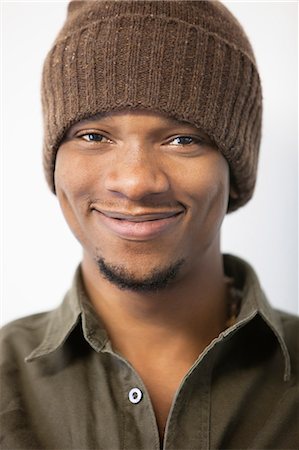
(134, 168)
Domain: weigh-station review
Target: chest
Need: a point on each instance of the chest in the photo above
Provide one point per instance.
(90, 397)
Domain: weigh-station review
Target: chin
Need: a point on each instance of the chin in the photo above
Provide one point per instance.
(154, 279)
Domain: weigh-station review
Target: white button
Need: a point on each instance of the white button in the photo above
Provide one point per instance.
(135, 395)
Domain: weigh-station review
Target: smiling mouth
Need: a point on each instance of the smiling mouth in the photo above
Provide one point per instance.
(140, 217)
(139, 226)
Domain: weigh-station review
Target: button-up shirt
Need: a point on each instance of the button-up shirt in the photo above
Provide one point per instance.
(63, 386)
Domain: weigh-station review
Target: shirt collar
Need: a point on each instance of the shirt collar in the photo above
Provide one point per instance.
(74, 309)
(254, 301)
(77, 308)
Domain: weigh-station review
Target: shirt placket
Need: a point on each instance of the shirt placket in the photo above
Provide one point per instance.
(188, 424)
(189, 418)
(139, 426)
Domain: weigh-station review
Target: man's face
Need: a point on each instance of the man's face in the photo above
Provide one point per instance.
(144, 194)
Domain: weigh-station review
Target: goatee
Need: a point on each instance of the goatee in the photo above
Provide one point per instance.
(156, 280)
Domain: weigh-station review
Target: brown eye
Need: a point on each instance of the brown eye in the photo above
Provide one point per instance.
(184, 140)
(93, 137)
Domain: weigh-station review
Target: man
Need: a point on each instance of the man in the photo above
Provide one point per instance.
(152, 128)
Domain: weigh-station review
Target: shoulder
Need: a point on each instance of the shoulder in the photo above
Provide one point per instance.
(290, 326)
(20, 337)
(17, 341)
(17, 378)
(290, 331)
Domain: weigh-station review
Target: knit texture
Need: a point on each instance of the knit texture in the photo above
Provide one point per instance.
(188, 59)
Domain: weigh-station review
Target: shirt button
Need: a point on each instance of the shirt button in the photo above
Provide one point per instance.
(135, 395)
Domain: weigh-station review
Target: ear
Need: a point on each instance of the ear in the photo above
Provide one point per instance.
(233, 192)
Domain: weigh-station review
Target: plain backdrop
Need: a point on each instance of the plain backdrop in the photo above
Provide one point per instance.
(40, 253)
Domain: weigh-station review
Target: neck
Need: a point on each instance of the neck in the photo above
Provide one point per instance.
(188, 314)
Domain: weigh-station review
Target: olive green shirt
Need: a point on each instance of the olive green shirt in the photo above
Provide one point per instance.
(63, 386)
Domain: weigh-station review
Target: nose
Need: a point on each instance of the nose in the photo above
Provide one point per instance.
(136, 174)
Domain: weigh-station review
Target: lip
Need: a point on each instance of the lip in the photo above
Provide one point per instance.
(140, 226)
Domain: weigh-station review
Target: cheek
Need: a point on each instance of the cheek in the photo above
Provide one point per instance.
(208, 188)
(72, 181)
(207, 181)
(71, 174)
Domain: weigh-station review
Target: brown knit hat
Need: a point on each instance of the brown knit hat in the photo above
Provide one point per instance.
(188, 59)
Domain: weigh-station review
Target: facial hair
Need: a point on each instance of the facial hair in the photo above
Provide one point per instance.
(158, 279)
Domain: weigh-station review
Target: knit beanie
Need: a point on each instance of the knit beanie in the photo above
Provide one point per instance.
(188, 59)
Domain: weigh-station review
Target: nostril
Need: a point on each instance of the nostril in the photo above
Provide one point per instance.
(135, 182)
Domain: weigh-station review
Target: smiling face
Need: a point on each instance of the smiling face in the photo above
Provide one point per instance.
(144, 194)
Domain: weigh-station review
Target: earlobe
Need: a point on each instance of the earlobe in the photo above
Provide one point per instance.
(233, 198)
(233, 193)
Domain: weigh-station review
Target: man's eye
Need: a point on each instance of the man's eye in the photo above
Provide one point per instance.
(184, 140)
(93, 137)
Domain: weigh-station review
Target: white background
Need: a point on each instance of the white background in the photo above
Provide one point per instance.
(40, 253)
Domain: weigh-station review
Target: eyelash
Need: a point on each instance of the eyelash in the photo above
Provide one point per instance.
(194, 140)
(82, 136)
